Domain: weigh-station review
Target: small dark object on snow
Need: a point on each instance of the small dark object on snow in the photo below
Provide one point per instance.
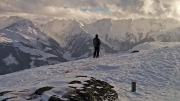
(135, 51)
(75, 82)
(81, 76)
(133, 86)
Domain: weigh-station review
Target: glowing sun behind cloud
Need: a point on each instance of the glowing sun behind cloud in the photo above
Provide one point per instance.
(178, 7)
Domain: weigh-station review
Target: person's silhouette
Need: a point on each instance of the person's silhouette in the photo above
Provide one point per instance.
(96, 43)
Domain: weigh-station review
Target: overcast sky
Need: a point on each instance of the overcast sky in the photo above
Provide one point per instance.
(90, 10)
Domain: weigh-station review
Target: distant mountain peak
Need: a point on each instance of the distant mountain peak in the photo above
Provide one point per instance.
(105, 20)
(15, 18)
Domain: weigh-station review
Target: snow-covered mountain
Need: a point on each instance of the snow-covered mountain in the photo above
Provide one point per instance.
(73, 38)
(116, 35)
(23, 45)
(27, 45)
(155, 69)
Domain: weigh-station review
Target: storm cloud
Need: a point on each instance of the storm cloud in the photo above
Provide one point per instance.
(90, 10)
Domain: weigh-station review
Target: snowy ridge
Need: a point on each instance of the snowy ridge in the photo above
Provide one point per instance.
(116, 34)
(71, 36)
(156, 72)
(24, 28)
(6, 21)
(29, 46)
(62, 30)
(24, 31)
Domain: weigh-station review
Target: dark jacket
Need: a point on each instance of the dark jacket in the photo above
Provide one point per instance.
(96, 42)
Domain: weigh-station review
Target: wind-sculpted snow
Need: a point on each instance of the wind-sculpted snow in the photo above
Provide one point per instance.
(156, 71)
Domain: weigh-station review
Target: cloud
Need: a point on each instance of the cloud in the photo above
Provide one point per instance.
(90, 10)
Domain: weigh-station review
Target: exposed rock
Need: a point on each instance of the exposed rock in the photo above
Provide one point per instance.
(75, 81)
(91, 90)
(39, 92)
(4, 92)
(6, 99)
(94, 90)
(54, 98)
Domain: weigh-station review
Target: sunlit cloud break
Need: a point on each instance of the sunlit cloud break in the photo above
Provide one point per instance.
(90, 10)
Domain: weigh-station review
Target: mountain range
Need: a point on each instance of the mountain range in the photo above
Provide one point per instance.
(24, 44)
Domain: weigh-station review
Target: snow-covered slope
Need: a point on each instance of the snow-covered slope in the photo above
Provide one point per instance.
(156, 72)
(27, 45)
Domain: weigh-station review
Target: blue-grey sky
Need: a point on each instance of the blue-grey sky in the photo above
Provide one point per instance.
(90, 10)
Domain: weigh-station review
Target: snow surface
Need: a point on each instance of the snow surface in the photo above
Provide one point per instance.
(156, 71)
(10, 60)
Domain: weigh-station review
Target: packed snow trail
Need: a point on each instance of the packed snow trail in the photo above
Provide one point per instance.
(155, 71)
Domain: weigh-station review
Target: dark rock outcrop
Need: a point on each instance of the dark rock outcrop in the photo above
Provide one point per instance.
(93, 90)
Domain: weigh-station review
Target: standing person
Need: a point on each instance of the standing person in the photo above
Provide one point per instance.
(96, 43)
